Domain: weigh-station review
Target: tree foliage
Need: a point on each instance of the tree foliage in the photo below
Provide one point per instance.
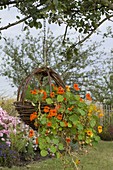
(83, 15)
(85, 65)
(101, 81)
(27, 53)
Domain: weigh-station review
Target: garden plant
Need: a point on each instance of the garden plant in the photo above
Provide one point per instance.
(15, 143)
(56, 119)
(62, 118)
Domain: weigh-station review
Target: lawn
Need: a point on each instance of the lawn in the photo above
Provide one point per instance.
(97, 158)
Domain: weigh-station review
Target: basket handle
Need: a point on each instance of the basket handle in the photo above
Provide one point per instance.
(45, 70)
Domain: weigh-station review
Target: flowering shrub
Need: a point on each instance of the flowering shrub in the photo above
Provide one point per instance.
(6, 123)
(61, 117)
(23, 142)
(14, 134)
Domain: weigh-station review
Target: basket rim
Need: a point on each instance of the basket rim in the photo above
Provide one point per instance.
(46, 72)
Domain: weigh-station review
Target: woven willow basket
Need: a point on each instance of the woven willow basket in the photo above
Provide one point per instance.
(25, 108)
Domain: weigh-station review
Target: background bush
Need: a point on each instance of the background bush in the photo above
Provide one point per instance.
(7, 104)
(107, 132)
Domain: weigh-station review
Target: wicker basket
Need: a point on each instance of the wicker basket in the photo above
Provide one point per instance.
(25, 108)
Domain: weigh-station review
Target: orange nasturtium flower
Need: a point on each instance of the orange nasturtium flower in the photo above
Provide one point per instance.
(59, 116)
(54, 87)
(66, 123)
(68, 140)
(81, 99)
(65, 99)
(89, 133)
(88, 96)
(99, 129)
(33, 91)
(46, 109)
(70, 108)
(53, 112)
(49, 115)
(44, 95)
(49, 124)
(33, 116)
(41, 91)
(36, 124)
(58, 106)
(76, 87)
(31, 133)
(37, 141)
(60, 90)
(52, 94)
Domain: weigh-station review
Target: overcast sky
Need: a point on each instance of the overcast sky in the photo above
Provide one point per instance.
(9, 16)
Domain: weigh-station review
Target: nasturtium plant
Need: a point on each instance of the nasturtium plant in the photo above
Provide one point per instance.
(62, 117)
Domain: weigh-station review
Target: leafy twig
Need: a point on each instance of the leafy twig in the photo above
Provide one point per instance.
(14, 23)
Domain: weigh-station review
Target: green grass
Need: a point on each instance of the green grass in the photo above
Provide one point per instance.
(97, 158)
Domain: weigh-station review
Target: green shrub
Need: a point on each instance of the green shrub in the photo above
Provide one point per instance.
(107, 133)
(8, 157)
(7, 104)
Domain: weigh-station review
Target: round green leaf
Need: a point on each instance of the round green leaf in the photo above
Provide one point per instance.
(55, 141)
(80, 127)
(48, 139)
(49, 101)
(53, 149)
(82, 112)
(69, 124)
(60, 146)
(58, 155)
(62, 124)
(93, 122)
(60, 98)
(97, 138)
(44, 153)
(80, 137)
(73, 118)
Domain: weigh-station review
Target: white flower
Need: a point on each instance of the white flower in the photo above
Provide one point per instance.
(2, 139)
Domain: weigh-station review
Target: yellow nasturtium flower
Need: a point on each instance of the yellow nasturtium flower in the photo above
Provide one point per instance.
(89, 114)
(77, 161)
(99, 129)
(94, 108)
(67, 88)
(100, 115)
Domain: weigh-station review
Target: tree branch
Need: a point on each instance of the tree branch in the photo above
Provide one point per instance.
(14, 23)
(106, 3)
(84, 39)
(10, 2)
(65, 33)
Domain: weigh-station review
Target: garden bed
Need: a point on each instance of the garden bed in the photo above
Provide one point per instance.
(99, 157)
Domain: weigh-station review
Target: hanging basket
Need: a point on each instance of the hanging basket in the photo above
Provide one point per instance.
(26, 108)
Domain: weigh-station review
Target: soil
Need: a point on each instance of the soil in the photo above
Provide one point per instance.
(27, 160)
